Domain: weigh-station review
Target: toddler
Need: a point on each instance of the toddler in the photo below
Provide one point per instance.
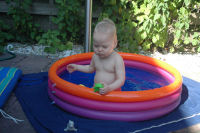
(107, 63)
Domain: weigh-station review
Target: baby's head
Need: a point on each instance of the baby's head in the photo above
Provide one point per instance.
(104, 38)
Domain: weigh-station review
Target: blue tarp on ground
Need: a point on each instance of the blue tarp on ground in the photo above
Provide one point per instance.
(48, 118)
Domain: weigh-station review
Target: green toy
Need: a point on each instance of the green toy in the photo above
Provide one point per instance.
(97, 86)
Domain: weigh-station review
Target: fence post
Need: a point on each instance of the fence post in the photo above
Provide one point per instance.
(88, 21)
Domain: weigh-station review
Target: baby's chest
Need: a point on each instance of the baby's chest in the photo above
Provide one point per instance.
(107, 67)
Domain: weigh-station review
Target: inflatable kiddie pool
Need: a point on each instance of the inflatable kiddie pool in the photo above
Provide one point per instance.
(159, 92)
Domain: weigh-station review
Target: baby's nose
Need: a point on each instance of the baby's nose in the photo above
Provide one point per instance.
(100, 49)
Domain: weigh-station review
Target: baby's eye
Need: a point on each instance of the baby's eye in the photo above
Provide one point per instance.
(105, 47)
(96, 46)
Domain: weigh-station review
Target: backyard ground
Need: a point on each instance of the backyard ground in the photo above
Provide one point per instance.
(188, 65)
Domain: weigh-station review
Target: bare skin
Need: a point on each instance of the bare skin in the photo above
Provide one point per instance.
(107, 63)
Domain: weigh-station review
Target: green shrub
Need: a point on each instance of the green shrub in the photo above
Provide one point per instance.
(154, 24)
(53, 42)
(5, 34)
(70, 22)
(23, 28)
(162, 25)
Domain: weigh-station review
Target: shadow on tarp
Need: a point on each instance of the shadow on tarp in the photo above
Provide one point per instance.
(46, 117)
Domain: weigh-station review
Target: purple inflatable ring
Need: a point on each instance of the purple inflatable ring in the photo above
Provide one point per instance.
(121, 116)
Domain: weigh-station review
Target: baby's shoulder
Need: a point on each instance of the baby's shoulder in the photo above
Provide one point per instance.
(117, 56)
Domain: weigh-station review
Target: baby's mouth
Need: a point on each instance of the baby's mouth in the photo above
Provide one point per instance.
(100, 54)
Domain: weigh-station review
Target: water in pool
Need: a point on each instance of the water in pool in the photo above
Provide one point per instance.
(136, 79)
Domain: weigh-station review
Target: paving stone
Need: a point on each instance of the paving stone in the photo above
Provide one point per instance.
(12, 62)
(34, 64)
(13, 108)
(28, 64)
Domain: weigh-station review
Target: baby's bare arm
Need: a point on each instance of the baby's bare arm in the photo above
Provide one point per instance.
(120, 74)
(83, 68)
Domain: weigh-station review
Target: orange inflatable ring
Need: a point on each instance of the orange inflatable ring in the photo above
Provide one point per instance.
(115, 96)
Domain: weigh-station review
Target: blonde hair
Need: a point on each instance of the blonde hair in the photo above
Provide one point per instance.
(106, 26)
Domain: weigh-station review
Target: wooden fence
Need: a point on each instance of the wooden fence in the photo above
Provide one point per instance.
(43, 10)
(36, 8)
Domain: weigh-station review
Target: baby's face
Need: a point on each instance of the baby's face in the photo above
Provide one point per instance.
(103, 45)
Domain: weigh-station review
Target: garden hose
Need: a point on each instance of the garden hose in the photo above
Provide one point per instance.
(9, 57)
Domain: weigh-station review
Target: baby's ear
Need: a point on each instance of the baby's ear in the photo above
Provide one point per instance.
(115, 41)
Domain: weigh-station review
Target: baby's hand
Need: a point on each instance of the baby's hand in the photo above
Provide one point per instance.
(104, 90)
(71, 68)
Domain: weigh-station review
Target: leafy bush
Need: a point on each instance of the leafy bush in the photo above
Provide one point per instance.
(4, 33)
(70, 22)
(53, 43)
(5, 36)
(23, 28)
(70, 19)
(163, 25)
